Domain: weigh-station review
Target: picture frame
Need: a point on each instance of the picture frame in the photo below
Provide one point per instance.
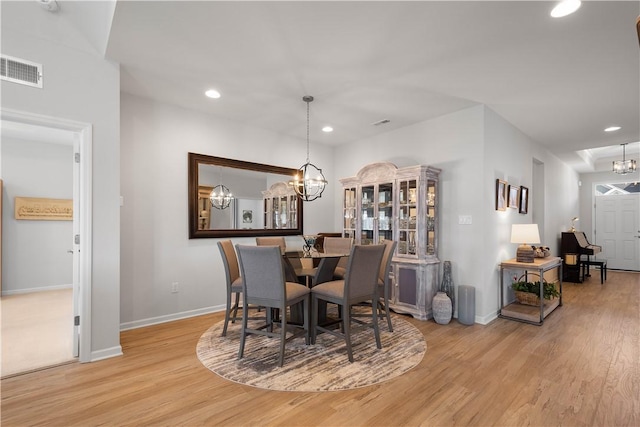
(512, 201)
(247, 216)
(524, 200)
(501, 195)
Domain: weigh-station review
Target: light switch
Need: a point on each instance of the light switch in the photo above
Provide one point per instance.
(464, 219)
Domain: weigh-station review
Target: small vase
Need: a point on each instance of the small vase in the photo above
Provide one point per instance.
(441, 307)
(447, 285)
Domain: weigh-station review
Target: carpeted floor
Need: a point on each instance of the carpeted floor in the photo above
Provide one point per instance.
(320, 367)
(37, 330)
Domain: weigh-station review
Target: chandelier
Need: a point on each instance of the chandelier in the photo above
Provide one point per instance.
(220, 197)
(309, 182)
(624, 166)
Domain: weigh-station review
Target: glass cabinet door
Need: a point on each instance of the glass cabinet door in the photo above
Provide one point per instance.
(407, 217)
(385, 212)
(367, 215)
(431, 217)
(349, 211)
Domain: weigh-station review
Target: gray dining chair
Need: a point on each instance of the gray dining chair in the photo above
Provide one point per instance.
(338, 245)
(264, 284)
(272, 241)
(234, 281)
(360, 285)
(384, 281)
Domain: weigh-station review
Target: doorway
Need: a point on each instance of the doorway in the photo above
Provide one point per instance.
(617, 224)
(80, 240)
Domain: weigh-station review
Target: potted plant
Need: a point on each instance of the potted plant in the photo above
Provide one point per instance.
(529, 292)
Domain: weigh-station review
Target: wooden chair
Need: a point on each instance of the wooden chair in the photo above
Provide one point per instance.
(359, 285)
(264, 285)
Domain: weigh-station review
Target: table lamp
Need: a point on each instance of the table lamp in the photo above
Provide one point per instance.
(524, 234)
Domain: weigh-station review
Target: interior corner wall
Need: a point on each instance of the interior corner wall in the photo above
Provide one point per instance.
(509, 156)
(155, 247)
(82, 87)
(455, 144)
(40, 170)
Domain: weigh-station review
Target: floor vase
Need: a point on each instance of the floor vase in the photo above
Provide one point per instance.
(441, 307)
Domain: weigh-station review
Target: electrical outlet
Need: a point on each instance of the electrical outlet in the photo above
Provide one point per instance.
(174, 287)
(465, 219)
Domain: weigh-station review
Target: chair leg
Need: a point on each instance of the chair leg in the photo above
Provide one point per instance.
(346, 322)
(306, 320)
(226, 315)
(314, 318)
(243, 333)
(386, 308)
(235, 307)
(283, 335)
(376, 327)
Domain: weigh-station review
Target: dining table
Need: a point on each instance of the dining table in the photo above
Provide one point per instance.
(325, 264)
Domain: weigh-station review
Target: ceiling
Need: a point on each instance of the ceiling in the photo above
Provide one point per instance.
(560, 81)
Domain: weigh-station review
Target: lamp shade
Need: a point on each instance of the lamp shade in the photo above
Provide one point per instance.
(525, 234)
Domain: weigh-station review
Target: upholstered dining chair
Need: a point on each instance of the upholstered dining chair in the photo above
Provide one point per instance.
(234, 281)
(338, 245)
(384, 282)
(272, 241)
(263, 284)
(360, 285)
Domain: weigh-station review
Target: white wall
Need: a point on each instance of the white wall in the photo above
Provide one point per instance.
(35, 252)
(473, 147)
(79, 86)
(155, 246)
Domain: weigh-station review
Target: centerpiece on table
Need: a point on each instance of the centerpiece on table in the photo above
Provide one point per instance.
(528, 293)
(309, 242)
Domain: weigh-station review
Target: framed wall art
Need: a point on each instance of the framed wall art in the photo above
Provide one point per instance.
(501, 195)
(512, 202)
(524, 200)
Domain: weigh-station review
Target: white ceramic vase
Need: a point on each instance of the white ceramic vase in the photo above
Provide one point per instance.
(441, 307)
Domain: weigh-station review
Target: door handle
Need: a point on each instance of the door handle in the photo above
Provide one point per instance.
(70, 251)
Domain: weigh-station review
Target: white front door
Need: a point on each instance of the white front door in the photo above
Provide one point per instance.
(618, 230)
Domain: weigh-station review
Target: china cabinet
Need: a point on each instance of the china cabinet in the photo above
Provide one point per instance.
(385, 202)
(280, 206)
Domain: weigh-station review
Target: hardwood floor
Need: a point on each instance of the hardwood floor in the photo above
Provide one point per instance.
(582, 367)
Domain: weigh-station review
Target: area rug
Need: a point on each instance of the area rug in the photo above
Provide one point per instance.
(320, 367)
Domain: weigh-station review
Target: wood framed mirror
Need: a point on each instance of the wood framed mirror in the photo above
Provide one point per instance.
(263, 203)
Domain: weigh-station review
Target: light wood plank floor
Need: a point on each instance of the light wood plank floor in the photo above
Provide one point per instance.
(581, 368)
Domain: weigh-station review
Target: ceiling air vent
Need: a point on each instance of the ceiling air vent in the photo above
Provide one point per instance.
(381, 122)
(18, 70)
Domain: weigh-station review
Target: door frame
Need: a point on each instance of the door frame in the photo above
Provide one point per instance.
(620, 180)
(83, 144)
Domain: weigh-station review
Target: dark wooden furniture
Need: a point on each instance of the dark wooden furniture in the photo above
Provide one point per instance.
(603, 269)
(573, 247)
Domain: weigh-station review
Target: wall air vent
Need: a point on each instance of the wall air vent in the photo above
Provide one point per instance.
(18, 70)
(381, 122)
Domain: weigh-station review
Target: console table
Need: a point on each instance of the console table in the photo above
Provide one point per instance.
(527, 313)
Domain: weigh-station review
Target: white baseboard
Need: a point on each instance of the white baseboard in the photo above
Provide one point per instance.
(106, 353)
(32, 290)
(170, 317)
(484, 320)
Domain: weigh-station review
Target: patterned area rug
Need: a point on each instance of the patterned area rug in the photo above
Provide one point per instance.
(320, 367)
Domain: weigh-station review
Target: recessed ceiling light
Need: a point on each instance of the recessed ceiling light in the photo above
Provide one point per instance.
(565, 7)
(327, 129)
(212, 93)
(612, 128)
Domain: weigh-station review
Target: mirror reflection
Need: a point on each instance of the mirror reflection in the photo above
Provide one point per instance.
(234, 198)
